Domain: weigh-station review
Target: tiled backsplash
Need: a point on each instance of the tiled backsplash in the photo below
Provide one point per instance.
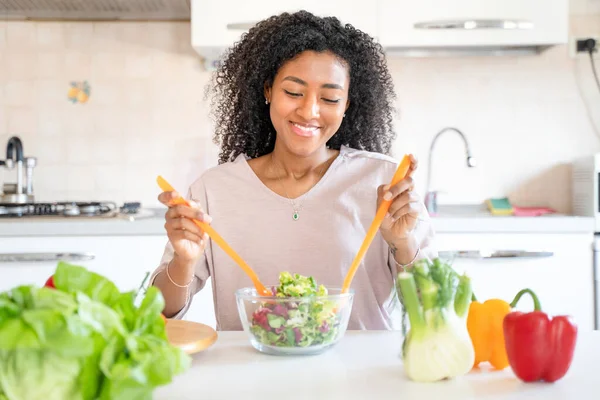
(146, 114)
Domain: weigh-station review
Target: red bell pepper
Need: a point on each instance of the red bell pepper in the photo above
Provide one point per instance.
(539, 347)
(50, 283)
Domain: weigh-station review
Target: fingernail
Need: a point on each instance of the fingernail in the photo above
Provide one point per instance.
(386, 187)
(387, 196)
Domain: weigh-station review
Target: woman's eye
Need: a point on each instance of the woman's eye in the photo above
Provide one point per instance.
(292, 93)
(300, 94)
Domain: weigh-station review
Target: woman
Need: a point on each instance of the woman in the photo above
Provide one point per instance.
(303, 107)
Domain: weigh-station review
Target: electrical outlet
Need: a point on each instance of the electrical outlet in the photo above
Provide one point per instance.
(577, 50)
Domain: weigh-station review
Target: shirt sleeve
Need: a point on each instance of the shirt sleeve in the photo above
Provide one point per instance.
(201, 271)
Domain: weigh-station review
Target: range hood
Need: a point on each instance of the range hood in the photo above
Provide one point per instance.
(96, 10)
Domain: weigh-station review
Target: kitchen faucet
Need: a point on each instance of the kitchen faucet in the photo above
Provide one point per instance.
(18, 193)
(431, 196)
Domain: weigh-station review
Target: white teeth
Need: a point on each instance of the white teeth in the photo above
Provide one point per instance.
(306, 128)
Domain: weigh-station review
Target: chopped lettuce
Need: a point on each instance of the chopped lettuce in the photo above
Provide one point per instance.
(83, 340)
(310, 321)
(298, 286)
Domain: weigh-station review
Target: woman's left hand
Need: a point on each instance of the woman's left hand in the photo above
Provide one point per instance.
(405, 208)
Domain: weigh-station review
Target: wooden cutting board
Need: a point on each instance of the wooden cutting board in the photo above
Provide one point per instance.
(191, 337)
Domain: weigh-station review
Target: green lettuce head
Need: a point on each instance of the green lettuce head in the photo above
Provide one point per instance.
(83, 340)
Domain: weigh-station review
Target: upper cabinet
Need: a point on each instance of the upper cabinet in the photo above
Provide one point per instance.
(399, 25)
(472, 23)
(219, 25)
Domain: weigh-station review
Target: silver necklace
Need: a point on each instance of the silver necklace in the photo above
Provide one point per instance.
(295, 208)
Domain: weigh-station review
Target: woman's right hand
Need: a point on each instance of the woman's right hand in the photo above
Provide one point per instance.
(187, 238)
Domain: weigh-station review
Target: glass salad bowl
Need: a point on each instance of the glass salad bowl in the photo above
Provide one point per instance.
(304, 323)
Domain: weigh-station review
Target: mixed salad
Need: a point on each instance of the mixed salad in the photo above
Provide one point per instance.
(80, 338)
(309, 321)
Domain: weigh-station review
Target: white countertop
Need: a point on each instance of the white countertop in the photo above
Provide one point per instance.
(508, 224)
(462, 219)
(149, 222)
(476, 218)
(364, 365)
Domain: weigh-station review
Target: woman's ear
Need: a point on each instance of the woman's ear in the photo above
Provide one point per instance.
(267, 92)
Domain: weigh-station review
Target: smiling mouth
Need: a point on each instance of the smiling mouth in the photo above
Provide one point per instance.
(302, 129)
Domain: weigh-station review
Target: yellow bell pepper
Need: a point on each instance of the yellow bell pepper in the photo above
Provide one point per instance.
(484, 324)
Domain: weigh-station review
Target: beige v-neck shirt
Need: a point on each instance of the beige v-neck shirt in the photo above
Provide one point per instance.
(334, 218)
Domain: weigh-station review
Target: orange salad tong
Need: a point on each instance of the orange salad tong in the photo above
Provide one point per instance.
(260, 288)
(381, 211)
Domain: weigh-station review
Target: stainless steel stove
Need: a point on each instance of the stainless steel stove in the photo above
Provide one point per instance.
(17, 199)
(66, 209)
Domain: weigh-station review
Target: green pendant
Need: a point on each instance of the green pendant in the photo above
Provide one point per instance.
(295, 216)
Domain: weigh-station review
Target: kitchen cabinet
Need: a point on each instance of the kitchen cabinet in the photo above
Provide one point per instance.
(221, 24)
(398, 25)
(559, 269)
(122, 259)
(125, 260)
(456, 23)
(562, 275)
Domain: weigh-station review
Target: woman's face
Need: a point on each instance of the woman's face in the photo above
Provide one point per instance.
(308, 99)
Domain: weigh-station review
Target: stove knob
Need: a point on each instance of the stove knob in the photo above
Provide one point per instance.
(72, 210)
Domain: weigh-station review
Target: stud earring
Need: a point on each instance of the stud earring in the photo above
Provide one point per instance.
(266, 101)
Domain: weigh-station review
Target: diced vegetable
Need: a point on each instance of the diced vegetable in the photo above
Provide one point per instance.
(436, 298)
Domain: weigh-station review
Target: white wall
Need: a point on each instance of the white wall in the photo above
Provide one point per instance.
(524, 117)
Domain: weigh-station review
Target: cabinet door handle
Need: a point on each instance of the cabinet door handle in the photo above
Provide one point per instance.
(470, 24)
(476, 254)
(240, 26)
(45, 257)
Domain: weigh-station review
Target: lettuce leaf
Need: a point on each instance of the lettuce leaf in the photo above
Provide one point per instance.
(134, 377)
(39, 375)
(45, 342)
(75, 279)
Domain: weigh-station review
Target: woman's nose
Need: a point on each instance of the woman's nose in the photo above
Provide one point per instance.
(309, 109)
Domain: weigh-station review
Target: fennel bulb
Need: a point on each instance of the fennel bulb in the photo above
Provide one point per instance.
(436, 298)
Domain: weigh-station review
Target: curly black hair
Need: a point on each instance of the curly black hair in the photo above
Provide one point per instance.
(242, 120)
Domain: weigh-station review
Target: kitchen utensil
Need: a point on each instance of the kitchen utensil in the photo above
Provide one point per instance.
(381, 211)
(260, 288)
(19, 192)
(191, 337)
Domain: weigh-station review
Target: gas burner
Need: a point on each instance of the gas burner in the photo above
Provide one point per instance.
(66, 209)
